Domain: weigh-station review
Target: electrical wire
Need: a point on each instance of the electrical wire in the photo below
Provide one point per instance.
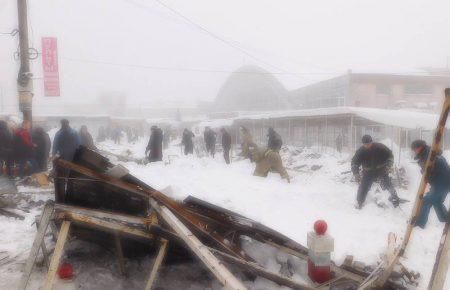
(211, 34)
(162, 68)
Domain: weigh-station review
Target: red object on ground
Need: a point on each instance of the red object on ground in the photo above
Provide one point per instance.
(319, 274)
(320, 227)
(65, 271)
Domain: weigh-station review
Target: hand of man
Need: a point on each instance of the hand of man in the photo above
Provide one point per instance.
(357, 177)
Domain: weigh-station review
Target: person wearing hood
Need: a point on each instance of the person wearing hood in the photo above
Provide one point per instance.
(439, 181)
(42, 149)
(86, 138)
(6, 151)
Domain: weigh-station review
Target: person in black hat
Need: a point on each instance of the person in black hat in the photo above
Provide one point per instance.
(376, 161)
(439, 180)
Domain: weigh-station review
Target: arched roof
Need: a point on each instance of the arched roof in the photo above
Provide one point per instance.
(251, 88)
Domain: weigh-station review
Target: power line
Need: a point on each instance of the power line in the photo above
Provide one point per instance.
(165, 68)
(12, 33)
(211, 34)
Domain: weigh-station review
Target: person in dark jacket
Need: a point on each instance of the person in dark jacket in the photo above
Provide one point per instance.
(275, 142)
(6, 151)
(226, 144)
(42, 149)
(187, 141)
(66, 141)
(23, 147)
(439, 180)
(86, 138)
(155, 145)
(376, 161)
(210, 141)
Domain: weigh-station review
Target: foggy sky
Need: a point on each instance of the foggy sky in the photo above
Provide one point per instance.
(315, 39)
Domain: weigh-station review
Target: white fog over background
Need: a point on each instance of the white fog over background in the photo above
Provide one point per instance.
(301, 41)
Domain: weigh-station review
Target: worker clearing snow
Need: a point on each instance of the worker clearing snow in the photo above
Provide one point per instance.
(268, 160)
(376, 161)
(439, 182)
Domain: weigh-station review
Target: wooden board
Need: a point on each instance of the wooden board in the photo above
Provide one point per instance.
(158, 262)
(440, 268)
(225, 277)
(57, 254)
(39, 238)
(253, 267)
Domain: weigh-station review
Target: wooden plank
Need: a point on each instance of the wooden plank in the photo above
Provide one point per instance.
(101, 214)
(39, 238)
(392, 238)
(126, 225)
(108, 225)
(119, 253)
(440, 268)
(145, 191)
(57, 254)
(257, 269)
(225, 277)
(43, 248)
(157, 264)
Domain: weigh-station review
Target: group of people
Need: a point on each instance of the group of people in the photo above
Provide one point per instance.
(22, 148)
(373, 162)
(115, 132)
(210, 139)
(28, 149)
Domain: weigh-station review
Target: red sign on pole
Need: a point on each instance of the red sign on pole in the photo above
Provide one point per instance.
(50, 66)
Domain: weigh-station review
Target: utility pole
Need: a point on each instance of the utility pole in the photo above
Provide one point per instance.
(24, 81)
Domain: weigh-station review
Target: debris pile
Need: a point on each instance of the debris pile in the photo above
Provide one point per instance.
(103, 203)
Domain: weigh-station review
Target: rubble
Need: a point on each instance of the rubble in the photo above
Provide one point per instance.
(100, 202)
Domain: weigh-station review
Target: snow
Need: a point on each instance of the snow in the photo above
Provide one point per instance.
(398, 118)
(290, 208)
(293, 208)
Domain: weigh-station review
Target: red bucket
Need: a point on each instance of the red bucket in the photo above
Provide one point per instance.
(65, 271)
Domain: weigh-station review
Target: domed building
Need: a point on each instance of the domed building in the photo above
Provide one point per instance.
(251, 88)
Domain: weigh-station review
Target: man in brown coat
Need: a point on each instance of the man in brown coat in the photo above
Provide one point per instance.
(267, 160)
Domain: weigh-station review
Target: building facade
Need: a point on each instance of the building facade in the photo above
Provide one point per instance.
(389, 91)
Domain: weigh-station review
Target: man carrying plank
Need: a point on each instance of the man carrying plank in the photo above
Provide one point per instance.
(439, 180)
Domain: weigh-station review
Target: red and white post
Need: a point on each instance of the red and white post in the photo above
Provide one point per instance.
(320, 247)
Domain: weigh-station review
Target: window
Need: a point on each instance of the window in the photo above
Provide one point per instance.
(418, 89)
(384, 90)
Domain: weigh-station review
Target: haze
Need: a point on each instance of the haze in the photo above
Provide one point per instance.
(301, 41)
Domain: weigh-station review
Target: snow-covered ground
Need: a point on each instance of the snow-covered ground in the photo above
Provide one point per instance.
(290, 208)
